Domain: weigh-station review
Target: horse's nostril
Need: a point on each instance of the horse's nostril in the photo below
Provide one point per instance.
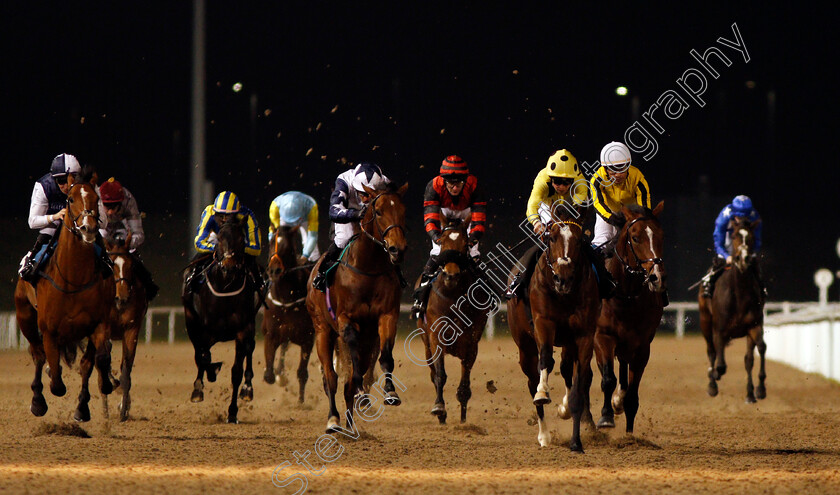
(393, 250)
(654, 278)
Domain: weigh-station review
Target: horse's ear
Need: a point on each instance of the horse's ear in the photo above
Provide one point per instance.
(658, 209)
(370, 191)
(403, 188)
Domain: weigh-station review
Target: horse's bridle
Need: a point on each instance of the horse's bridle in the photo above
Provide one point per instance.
(382, 233)
(638, 270)
(122, 279)
(547, 241)
(84, 213)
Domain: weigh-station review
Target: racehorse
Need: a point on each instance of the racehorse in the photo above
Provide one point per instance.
(564, 302)
(127, 314)
(365, 299)
(628, 321)
(72, 300)
(446, 331)
(286, 319)
(222, 309)
(736, 310)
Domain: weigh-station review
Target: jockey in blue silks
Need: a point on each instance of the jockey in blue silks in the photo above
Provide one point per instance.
(741, 206)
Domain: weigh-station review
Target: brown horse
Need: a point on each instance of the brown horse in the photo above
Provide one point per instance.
(450, 327)
(72, 300)
(365, 299)
(736, 310)
(222, 309)
(286, 319)
(127, 314)
(628, 321)
(564, 302)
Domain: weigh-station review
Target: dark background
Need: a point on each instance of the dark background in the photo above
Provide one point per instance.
(406, 85)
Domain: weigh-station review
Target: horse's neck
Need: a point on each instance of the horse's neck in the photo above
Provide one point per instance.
(745, 282)
(366, 255)
(74, 253)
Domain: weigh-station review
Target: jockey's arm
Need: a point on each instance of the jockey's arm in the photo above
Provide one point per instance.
(642, 191)
(478, 214)
(204, 242)
(133, 221)
(598, 201)
(719, 234)
(339, 200)
(539, 193)
(431, 211)
(38, 206)
(312, 230)
(253, 246)
(274, 219)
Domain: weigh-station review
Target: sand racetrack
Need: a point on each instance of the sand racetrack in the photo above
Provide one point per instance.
(685, 442)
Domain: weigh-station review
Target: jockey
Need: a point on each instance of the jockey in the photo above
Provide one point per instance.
(296, 209)
(453, 194)
(123, 216)
(616, 183)
(558, 187)
(225, 207)
(741, 206)
(47, 208)
(347, 207)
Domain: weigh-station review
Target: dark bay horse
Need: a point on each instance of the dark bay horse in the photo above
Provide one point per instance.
(71, 301)
(447, 331)
(127, 314)
(365, 299)
(286, 319)
(222, 309)
(564, 302)
(628, 321)
(736, 310)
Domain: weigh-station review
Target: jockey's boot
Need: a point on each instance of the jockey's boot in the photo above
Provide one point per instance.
(421, 293)
(145, 277)
(29, 264)
(330, 257)
(711, 277)
(606, 282)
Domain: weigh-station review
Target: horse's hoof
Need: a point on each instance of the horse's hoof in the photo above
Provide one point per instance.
(38, 406)
(269, 377)
(576, 446)
(712, 390)
(197, 396)
(544, 439)
(541, 398)
(606, 422)
(246, 393)
(332, 425)
(392, 399)
(82, 414)
(760, 393)
(106, 388)
(563, 409)
(58, 389)
(438, 409)
(618, 402)
(750, 399)
(232, 420)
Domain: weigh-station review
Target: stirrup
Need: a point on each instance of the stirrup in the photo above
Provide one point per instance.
(320, 281)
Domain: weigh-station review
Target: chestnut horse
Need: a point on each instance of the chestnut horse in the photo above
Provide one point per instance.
(564, 302)
(286, 319)
(365, 299)
(127, 314)
(72, 300)
(736, 310)
(450, 327)
(628, 321)
(222, 309)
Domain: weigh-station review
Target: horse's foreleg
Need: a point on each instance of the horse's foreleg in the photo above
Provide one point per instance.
(567, 369)
(247, 391)
(387, 336)
(101, 339)
(711, 353)
(605, 356)
(326, 346)
(618, 396)
(350, 335)
(636, 366)
(82, 413)
(439, 408)
(129, 352)
(303, 371)
(280, 371)
(545, 344)
(760, 391)
(720, 362)
(749, 361)
(270, 349)
(39, 403)
(202, 356)
(57, 386)
(236, 377)
(529, 362)
(464, 391)
(581, 353)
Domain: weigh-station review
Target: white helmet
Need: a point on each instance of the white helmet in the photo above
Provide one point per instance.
(368, 174)
(615, 156)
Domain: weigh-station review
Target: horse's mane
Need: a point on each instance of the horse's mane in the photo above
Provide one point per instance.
(644, 212)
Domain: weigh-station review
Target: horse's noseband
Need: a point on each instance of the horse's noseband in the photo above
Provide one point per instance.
(639, 270)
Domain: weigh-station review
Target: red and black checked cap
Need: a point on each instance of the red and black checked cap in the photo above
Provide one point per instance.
(454, 165)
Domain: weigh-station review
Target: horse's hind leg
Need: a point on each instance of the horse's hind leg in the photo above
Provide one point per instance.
(82, 413)
(101, 339)
(236, 379)
(51, 351)
(749, 361)
(464, 391)
(201, 357)
(326, 347)
(303, 370)
(720, 362)
(604, 355)
(387, 335)
(280, 371)
(760, 391)
(129, 352)
(39, 403)
(439, 408)
(581, 353)
(270, 349)
(247, 392)
(636, 366)
(712, 389)
(529, 362)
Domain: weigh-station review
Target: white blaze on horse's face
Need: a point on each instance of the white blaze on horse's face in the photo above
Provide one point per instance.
(87, 227)
(743, 249)
(118, 267)
(654, 284)
(454, 235)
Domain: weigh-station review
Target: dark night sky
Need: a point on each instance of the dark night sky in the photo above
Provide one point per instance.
(110, 83)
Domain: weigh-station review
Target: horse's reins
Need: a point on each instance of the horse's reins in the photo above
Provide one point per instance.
(382, 233)
(639, 270)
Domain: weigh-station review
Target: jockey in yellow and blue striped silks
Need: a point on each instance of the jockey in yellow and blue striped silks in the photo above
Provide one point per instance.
(227, 203)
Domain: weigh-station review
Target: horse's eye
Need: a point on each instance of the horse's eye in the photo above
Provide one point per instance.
(70, 201)
(635, 239)
(377, 212)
